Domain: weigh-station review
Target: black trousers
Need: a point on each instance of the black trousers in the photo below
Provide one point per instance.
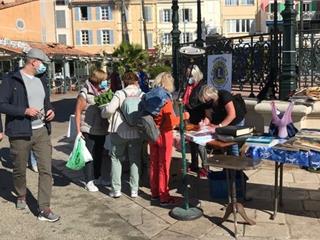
(95, 145)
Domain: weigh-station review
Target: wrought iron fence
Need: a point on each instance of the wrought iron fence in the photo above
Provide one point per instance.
(252, 61)
(309, 59)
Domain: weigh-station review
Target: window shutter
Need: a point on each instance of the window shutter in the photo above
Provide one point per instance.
(110, 12)
(77, 13)
(180, 15)
(190, 14)
(98, 13)
(90, 37)
(150, 42)
(111, 37)
(99, 40)
(89, 13)
(314, 6)
(161, 16)
(78, 37)
(170, 15)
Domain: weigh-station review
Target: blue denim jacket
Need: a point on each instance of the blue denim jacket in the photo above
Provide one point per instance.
(153, 101)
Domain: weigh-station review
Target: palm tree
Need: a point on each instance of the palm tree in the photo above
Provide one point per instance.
(124, 24)
(129, 57)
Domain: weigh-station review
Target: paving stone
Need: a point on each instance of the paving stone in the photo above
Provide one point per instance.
(300, 177)
(168, 235)
(305, 186)
(293, 194)
(225, 231)
(292, 205)
(151, 224)
(302, 217)
(305, 231)
(267, 230)
(195, 228)
(311, 205)
(314, 195)
(265, 217)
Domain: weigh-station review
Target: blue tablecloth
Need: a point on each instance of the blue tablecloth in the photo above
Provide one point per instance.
(300, 158)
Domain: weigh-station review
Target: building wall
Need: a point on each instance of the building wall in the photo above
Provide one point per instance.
(94, 25)
(135, 22)
(235, 16)
(21, 14)
(48, 26)
(61, 32)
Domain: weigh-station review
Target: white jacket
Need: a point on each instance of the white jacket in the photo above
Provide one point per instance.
(116, 120)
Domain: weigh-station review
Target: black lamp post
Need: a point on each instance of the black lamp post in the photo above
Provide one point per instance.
(288, 81)
(199, 41)
(175, 41)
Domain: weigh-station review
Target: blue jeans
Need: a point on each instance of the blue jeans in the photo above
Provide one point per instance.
(234, 149)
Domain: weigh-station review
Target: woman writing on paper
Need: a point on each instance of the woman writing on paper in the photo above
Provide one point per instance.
(223, 110)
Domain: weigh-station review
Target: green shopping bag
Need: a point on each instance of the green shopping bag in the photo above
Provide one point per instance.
(79, 155)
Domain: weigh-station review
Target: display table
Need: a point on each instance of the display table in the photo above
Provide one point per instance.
(280, 157)
(232, 164)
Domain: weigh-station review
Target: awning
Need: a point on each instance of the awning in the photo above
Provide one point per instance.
(11, 49)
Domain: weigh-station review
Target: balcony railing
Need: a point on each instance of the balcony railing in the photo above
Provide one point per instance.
(307, 16)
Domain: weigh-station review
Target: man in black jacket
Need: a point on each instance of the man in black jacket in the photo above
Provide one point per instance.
(24, 98)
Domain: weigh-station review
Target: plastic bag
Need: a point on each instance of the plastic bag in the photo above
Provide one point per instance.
(72, 130)
(79, 155)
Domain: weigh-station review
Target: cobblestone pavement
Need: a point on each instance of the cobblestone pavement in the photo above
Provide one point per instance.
(87, 215)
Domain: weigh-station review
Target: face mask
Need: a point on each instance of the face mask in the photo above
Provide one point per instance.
(103, 84)
(190, 81)
(41, 69)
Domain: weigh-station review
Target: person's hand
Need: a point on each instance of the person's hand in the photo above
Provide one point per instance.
(186, 116)
(31, 112)
(50, 115)
(204, 122)
(1, 136)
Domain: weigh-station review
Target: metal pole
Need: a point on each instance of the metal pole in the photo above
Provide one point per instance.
(199, 41)
(300, 41)
(175, 41)
(288, 81)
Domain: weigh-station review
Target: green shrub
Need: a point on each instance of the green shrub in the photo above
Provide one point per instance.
(155, 70)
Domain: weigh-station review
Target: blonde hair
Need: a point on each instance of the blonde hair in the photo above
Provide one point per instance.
(207, 93)
(196, 73)
(164, 80)
(97, 76)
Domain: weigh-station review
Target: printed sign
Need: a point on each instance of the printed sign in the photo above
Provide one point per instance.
(220, 71)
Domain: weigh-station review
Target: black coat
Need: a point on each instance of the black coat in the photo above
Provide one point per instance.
(13, 103)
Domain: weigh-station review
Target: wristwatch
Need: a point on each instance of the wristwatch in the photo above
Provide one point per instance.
(220, 125)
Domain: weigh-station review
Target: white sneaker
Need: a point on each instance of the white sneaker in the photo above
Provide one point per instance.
(115, 194)
(102, 182)
(91, 187)
(134, 194)
(34, 168)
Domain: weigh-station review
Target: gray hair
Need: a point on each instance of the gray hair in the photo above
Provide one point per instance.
(196, 73)
(208, 93)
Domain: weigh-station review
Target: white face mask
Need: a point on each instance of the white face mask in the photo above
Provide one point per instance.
(191, 81)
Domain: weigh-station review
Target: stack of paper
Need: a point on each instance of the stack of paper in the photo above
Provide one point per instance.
(204, 135)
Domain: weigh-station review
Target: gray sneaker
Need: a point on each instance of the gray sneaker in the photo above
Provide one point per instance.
(21, 204)
(48, 215)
